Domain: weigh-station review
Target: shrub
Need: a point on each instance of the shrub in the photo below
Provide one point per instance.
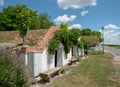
(62, 71)
(12, 70)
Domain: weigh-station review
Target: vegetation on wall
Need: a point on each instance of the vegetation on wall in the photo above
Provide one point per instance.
(74, 36)
(53, 45)
(61, 36)
(65, 40)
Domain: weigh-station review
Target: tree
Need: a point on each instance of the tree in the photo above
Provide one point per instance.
(97, 33)
(24, 22)
(12, 70)
(74, 35)
(45, 22)
(86, 31)
(10, 17)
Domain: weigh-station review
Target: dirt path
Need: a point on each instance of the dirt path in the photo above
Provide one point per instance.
(115, 76)
(116, 70)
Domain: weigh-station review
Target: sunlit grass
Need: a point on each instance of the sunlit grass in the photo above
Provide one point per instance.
(92, 72)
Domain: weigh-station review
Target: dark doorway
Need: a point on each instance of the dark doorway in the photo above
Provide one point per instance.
(72, 51)
(55, 58)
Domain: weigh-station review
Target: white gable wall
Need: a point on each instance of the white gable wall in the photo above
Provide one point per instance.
(66, 60)
(78, 51)
(44, 61)
(47, 60)
(51, 59)
(69, 56)
(75, 50)
(60, 56)
(39, 61)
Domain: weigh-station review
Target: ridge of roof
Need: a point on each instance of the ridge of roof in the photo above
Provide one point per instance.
(42, 44)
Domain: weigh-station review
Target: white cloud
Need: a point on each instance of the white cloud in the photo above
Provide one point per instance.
(76, 4)
(83, 13)
(111, 35)
(78, 26)
(111, 26)
(1, 2)
(64, 18)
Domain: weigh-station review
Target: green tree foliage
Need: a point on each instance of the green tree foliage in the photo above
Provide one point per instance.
(74, 35)
(11, 16)
(97, 33)
(64, 37)
(24, 22)
(86, 31)
(53, 45)
(12, 70)
(45, 22)
(61, 36)
(83, 43)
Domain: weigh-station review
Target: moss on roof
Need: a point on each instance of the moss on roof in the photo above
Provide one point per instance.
(93, 40)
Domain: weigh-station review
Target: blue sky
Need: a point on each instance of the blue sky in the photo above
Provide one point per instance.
(81, 14)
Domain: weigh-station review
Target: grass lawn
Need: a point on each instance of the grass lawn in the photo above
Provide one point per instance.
(115, 46)
(95, 71)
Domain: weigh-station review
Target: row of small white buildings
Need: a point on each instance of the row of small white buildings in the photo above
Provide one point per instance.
(35, 51)
(38, 59)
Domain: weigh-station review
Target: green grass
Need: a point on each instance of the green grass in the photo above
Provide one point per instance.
(115, 46)
(92, 72)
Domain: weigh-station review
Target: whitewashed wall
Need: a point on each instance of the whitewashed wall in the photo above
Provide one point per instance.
(60, 55)
(24, 56)
(50, 60)
(44, 61)
(38, 62)
(34, 63)
(79, 52)
(47, 60)
(75, 50)
(82, 52)
(41, 61)
(69, 56)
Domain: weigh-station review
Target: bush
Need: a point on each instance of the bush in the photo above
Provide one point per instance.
(12, 70)
(62, 71)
